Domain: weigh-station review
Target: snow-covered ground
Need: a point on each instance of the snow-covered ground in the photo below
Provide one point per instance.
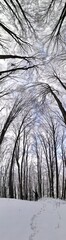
(24, 220)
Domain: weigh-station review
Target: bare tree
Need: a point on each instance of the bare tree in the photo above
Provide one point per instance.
(39, 174)
(12, 161)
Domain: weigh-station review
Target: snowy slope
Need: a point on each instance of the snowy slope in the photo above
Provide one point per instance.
(24, 220)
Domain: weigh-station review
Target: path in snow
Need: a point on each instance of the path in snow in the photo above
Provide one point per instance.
(48, 223)
(33, 224)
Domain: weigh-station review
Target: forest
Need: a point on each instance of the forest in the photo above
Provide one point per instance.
(32, 99)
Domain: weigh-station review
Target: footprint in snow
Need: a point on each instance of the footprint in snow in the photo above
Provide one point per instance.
(33, 224)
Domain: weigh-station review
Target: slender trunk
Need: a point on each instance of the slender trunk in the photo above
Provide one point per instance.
(56, 162)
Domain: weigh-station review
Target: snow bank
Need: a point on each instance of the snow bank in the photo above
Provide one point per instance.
(24, 220)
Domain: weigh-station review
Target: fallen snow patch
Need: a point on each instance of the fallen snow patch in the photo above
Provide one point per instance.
(24, 220)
